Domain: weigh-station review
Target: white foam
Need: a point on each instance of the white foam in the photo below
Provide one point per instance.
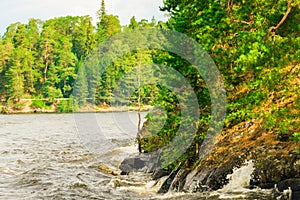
(240, 178)
(8, 171)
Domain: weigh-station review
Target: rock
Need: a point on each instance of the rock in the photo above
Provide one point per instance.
(166, 185)
(296, 195)
(293, 183)
(146, 163)
(124, 173)
(108, 170)
(274, 169)
(284, 137)
(159, 172)
(269, 169)
(197, 179)
(211, 178)
(179, 180)
(283, 170)
(275, 162)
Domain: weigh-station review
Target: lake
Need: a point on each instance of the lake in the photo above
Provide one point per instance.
(76, 156)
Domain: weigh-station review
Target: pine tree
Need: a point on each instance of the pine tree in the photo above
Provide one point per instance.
(47, 48)
(108, 25)
(80, 92)
(101, 12)
(28, 72)
(133, 23)
(66, 66)
(33, 34)
(83, 38)
(14, 77)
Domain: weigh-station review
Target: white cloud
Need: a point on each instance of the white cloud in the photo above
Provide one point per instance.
(138, 8)
(21, 10)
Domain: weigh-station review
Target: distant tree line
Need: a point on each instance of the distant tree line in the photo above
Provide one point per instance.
(41, 59)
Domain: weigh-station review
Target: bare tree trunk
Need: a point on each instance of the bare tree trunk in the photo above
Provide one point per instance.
(139, 106)
(46, 56)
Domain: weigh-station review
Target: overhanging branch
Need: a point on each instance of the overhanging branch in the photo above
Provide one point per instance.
(283, 18)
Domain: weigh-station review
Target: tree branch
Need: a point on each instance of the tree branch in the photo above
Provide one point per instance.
(241, 21)
(229, 7)
(283, 18)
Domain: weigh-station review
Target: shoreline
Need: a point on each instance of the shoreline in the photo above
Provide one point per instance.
(95, 109)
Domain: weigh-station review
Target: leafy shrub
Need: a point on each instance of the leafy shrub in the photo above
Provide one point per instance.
(296, 137)
(18, 106)
(38, 104)
(65, 106)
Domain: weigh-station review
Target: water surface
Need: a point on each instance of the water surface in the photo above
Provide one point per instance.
(62, 156)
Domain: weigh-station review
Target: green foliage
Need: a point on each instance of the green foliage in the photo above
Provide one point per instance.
(43, 57)
(296, 137)
(163, 125)
(270, 121)
(108, 26)
(246, 39)
(38, 104)
(250, 47)
(18, 106)
(65, 106)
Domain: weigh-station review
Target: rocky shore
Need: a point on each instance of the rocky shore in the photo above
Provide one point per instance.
(276, 163)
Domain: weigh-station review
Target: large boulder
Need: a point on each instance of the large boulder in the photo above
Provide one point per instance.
(273, 169)
(145, 163)
(292, 183)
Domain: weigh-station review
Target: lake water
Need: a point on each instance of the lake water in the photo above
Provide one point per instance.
(76, 156)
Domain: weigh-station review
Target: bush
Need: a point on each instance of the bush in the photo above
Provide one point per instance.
(38, 104)
(65, 106)
(18, 106)
(296, 137)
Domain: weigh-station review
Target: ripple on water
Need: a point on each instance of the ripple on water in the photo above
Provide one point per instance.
(42, 157)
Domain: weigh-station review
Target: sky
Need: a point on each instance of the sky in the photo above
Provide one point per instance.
(12, 11)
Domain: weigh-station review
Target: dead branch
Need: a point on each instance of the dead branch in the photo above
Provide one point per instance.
(241, 21)
(283, 18)
(229, 7)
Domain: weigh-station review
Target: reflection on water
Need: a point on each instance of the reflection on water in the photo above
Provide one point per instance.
(49, 157)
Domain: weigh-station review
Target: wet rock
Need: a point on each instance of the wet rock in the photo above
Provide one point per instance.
(275, 162)
(274, 169)
(293, 183)
(205, 179)
(179, 180)
(159, 172)
(107, 169)
(146, 163)
(196, 181)
(284, 137)
(269, 169)
(166, 185)
(296, 195)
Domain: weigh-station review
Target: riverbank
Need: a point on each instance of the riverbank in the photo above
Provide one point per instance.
(26, 106)
(269, 139)
(275, 164)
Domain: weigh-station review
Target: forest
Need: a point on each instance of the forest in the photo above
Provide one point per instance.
(40, 60)
(255, 45)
